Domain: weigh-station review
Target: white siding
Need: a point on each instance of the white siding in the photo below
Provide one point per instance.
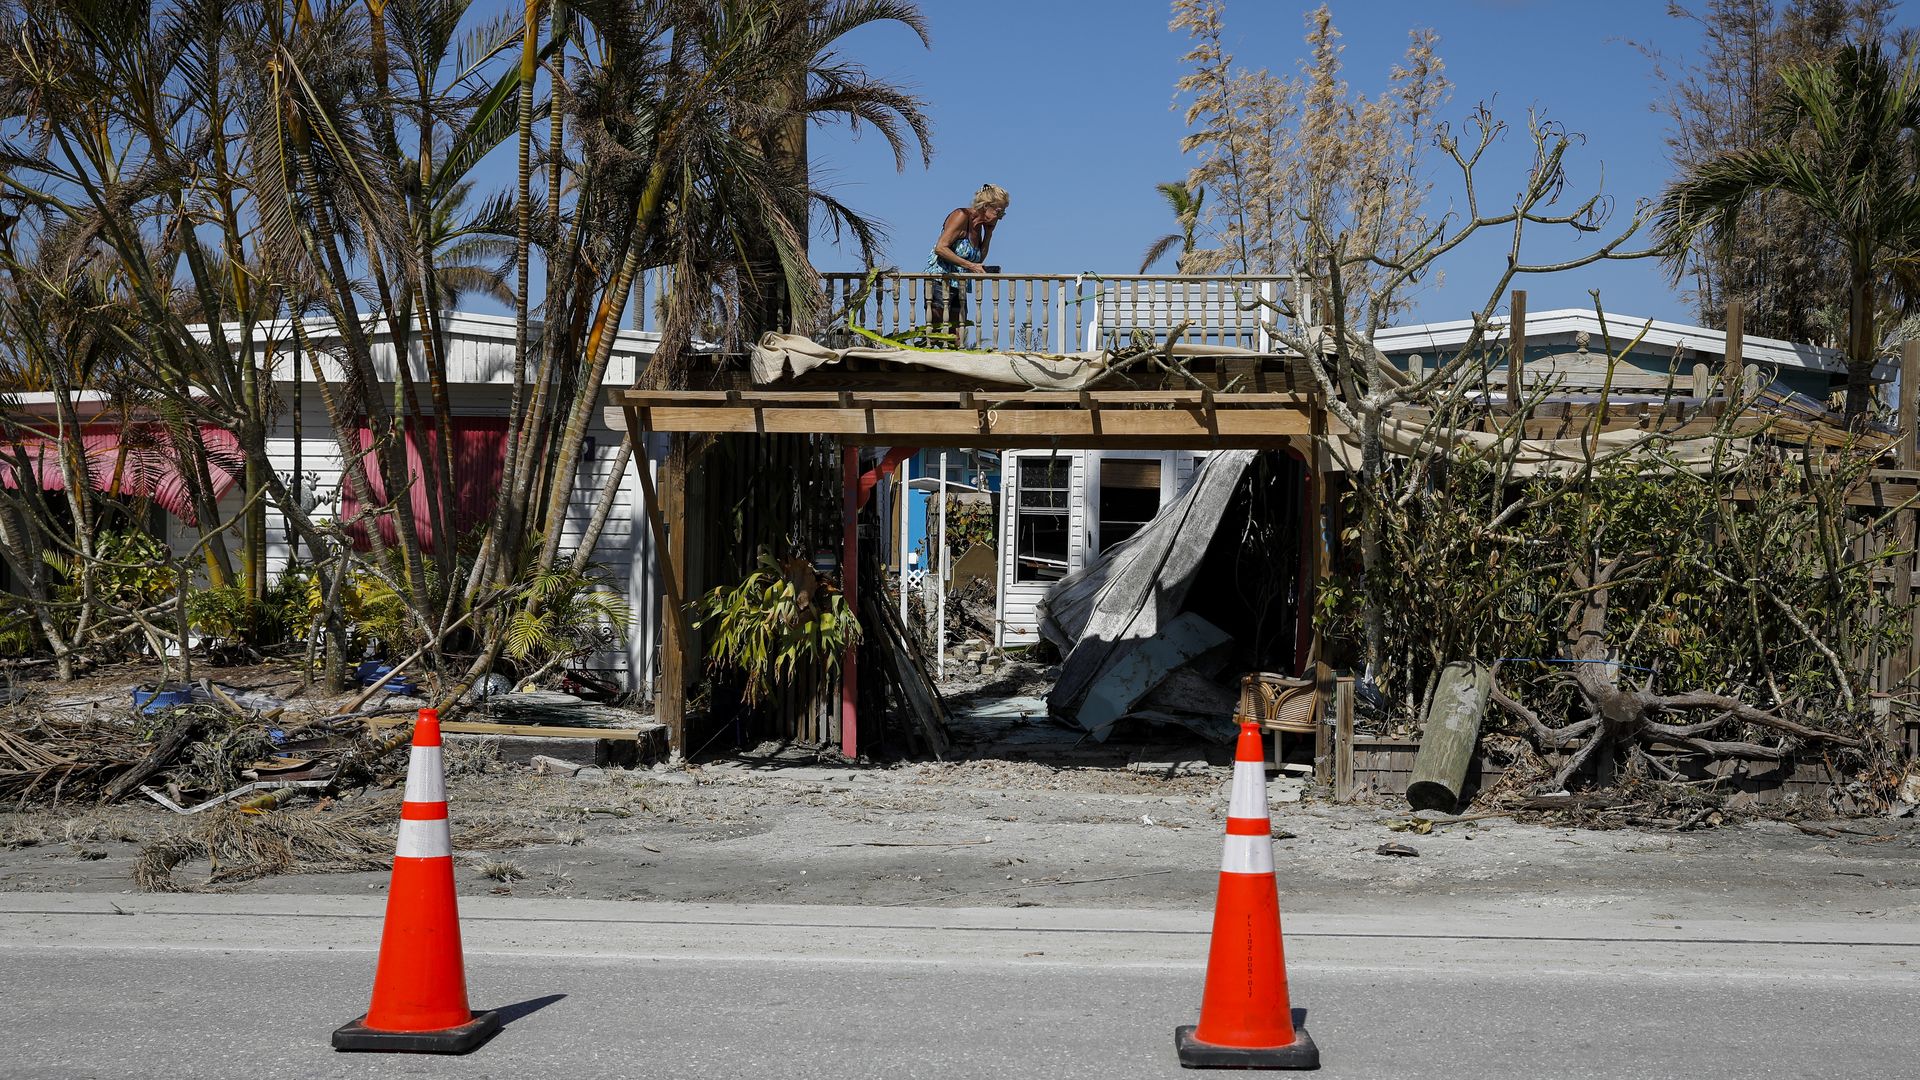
(1019, 601)
(624, 553)
(1019, 621)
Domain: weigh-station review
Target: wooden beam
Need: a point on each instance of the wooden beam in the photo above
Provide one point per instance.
(1733, 368)
(909, 427)
(539, 731)
(1319, 559)
(850, 587)
(676, 635)
(861, 400)
(670, 706)
(1343, 743)
(1909, 395)
(1516, 346)
(1096, 441)
(1906, 654)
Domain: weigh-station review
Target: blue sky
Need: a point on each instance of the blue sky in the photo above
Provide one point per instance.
(1069, 105)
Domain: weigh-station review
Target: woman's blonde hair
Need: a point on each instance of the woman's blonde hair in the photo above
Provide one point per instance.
(990, 195)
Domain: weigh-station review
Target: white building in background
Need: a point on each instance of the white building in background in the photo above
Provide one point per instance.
(480, 374)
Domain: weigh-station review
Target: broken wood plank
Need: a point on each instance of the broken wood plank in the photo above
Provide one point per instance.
(538, 731)
(906, 669)
(184, 729)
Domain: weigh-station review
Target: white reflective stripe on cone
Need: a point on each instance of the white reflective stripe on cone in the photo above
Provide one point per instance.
(1247, 855)
(426, 776)
(429, 839)
(1249, 790)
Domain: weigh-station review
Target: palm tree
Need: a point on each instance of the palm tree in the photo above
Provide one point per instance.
(1185, 203)
(1839, 139)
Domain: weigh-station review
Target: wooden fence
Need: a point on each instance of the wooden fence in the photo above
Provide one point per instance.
(771, 492)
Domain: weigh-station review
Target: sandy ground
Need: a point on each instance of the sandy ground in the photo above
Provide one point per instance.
(1027, 814)
(994, 832)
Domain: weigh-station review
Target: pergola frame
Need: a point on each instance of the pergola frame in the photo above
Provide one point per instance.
(988, 419)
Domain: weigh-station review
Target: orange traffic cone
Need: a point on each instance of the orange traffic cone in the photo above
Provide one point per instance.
(420, 987)
(1246, 1021)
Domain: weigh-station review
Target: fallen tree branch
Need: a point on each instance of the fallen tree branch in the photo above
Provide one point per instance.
(1700, 699)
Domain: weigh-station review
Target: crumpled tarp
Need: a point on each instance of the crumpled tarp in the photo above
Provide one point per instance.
(783, 356)
(1109, 607)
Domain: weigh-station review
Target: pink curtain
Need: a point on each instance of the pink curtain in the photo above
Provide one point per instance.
(135, 461)
(479, 456)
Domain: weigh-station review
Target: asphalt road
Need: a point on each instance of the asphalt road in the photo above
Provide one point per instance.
(193, 986)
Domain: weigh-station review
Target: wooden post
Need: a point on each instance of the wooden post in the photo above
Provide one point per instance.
(1449, 736)
(1901, 665)
(1909, 395)
(1517, 346)
(669, 542)
(1343, 741)
(850, 585)
(1733, 370)
(1319, 558)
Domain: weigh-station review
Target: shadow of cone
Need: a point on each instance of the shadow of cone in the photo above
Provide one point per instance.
(420, 987)
(1246, 1019)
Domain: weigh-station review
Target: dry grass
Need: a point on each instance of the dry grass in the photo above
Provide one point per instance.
(472, 757)
(99, 826)
(502, 871)
(241, 846)
(23, 834)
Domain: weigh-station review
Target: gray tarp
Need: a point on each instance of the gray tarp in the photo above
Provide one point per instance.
(1106, 609)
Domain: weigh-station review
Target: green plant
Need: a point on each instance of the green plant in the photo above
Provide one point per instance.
(574, 609)
(18, 636)
(223, 612)
(782, 617)
(969, 524)
(132, 571)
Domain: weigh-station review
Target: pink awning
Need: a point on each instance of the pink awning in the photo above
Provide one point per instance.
(479, 456)
(135, 461)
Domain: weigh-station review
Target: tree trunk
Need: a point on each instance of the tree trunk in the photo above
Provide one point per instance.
(1860, 345)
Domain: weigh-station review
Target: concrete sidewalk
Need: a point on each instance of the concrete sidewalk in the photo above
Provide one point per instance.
(1389, 937)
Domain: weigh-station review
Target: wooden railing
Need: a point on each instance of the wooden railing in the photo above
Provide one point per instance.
(1061, 313)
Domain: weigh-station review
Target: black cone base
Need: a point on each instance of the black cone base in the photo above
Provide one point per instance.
(355, 1035)
(1194, 1054)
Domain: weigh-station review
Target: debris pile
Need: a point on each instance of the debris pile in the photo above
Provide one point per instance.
(1161, 626)
(47, 759)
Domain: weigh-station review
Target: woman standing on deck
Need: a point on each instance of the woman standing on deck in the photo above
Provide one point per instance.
(962, 249)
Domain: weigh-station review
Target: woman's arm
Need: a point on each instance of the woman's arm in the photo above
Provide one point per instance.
(986, 241)
(951, 232)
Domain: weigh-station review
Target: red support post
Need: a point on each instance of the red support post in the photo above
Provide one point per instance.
(850, 584)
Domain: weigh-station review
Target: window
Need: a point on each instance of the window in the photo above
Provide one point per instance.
(1041, 525)
(1129, 497)
(970, 468)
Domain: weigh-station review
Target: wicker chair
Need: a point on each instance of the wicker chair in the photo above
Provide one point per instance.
(1277, 703)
